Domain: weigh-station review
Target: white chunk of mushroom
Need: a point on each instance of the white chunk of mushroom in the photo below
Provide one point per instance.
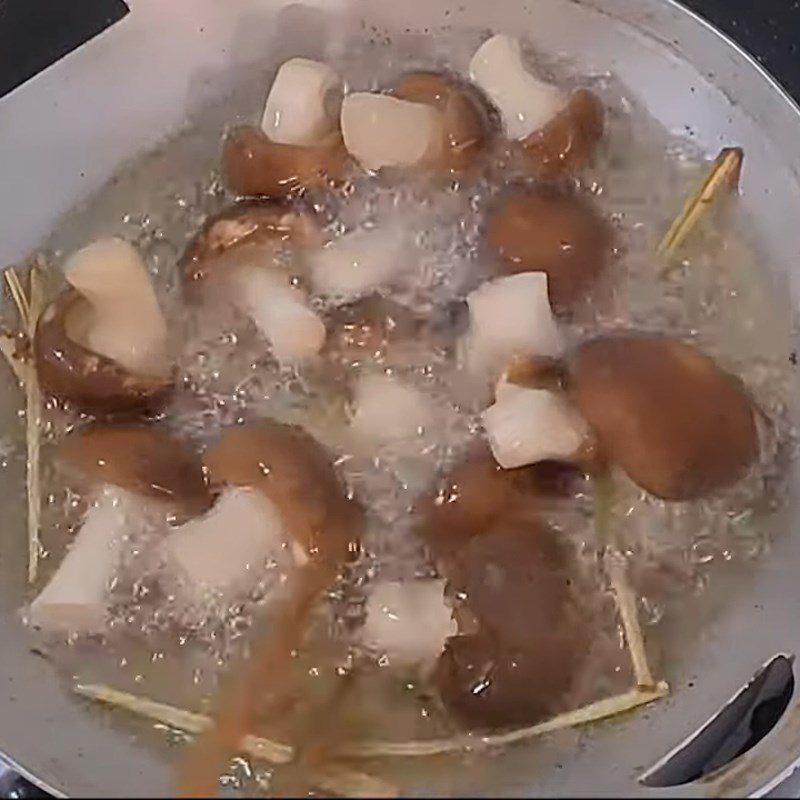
(388, 410)
(303, 104)
(220, 556)
(407, 621)
(383, 131)
(511, 316)
(280, 312)
(525, 102)
(526, 426)
(126, 324)
(359, 262)
(75, 600)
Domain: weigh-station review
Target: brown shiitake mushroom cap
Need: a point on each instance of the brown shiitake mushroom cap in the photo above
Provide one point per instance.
(667, 414)
(566, 144)
(90, 381)
(142, 460)
(551, 232)
(291, 468)
(255, 166)
(466, 122)
(477, 493)
(486, 686)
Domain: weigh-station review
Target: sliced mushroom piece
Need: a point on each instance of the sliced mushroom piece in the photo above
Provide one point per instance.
(255, 166)
(293, 470)
(303, 103)
(465, 122)
(233, 259)
(384, 131)
(486, 686)
(392, 627)
(527, 426)
(92, 382)
(559, 234)
(213, 560)
(511, 316)
(102, 344)
(664, 412)
(567, 142)
(526, 103)
(129, 469)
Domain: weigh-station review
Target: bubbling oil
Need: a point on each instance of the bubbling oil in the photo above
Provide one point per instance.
(716, 297)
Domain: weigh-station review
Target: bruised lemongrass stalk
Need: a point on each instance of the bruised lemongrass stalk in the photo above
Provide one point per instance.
(8, 347)
(29, 306)
(331, 778)
(722, 178)
(602, 709)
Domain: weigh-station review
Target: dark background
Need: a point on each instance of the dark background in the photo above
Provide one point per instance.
(34, 33)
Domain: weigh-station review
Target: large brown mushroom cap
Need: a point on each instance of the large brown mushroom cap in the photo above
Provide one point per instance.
(255, 166)
(246, 227)
(567, 143)
(465, 122)
(90, 381)
(294, 471)
(143, 460)
(559, 234)
(667, 414)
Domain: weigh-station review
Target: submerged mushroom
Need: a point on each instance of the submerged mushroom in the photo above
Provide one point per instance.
(465, 125)
(102, 344)
(234, 259)
(255, 166)
(559, 234)
(129, 469)
(667, 414)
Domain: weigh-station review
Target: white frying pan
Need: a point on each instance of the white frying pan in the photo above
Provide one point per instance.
(64, 133)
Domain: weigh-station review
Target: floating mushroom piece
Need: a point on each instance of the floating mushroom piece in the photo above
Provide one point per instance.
(290, 468)
(233, 256)
(665, 413)
(559, 234)
(303, 103)
(527, 426)
(465, 124)
(217, 558)
(567, 143)
(511, 316)
(102, 344)
(130, 469)
(394, 611)
(255, 166)
(384, 131)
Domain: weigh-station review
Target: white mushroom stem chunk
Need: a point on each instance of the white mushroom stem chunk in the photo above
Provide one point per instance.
(511, 316)
(525, 102)
(359, 262)
(526, 426)
(388, 410)
(225, 553)
(126, 323)
(280, 311)
(408, 621)
(383, 131)
(75, 600)
(303, 103)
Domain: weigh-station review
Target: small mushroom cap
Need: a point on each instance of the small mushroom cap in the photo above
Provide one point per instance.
(667, 414)
(242, 230)
(254, 166)
(566, 144)
(88, 380)
(294, 471)
(559, 234)
(465, 120)
(143, 460)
